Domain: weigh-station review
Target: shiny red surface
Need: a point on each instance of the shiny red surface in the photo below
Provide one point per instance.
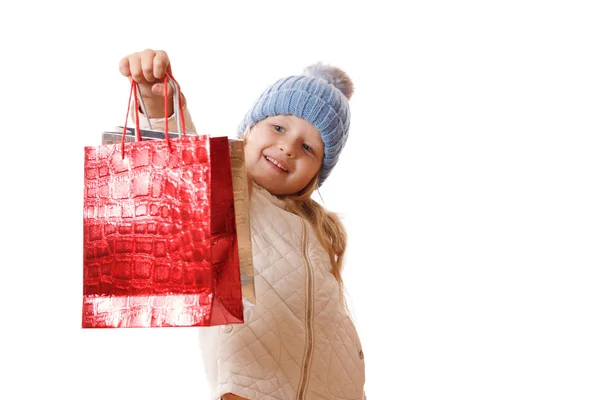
(160, 243)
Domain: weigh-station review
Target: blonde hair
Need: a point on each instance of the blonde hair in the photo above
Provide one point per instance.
(327, 225)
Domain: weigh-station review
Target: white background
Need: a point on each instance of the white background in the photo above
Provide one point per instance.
(469, 185)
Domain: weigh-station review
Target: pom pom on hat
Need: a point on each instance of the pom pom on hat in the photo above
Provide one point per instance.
(320, 96)
(333, 75)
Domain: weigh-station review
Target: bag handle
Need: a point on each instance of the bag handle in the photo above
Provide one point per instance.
(177, 105)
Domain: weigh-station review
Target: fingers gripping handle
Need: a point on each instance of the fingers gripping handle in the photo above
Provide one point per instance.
(177, 105)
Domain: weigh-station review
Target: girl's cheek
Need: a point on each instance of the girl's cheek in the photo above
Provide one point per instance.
(247, 153)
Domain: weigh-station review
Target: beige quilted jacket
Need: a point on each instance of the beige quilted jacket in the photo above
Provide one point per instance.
(297, 342)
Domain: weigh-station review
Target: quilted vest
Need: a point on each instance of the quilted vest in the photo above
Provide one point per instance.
(297, 342)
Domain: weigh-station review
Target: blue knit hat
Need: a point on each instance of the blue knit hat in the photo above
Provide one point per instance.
(320, 95)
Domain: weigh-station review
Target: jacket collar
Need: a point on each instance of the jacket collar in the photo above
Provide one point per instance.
(267, 195)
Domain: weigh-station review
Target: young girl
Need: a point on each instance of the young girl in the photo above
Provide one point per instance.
(298, 341)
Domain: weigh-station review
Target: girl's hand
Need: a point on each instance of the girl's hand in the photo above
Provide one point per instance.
(148, 69)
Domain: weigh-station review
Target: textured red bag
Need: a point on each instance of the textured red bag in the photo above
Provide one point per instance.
(160, 245)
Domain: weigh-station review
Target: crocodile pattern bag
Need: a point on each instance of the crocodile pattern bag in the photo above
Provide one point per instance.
(160, 242)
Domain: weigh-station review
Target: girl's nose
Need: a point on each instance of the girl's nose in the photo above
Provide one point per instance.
(287, 149)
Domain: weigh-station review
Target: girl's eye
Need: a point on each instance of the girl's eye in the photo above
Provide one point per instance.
(308, 148)
(278, 128)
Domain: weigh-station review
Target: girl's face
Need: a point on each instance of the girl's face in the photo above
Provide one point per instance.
(283, 153)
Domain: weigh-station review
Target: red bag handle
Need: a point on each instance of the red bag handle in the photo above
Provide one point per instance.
(168, 80)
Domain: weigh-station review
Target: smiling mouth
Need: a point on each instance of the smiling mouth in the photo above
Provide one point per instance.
(274, 162)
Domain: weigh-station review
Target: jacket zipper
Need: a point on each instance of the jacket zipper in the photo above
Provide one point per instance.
(309, 311)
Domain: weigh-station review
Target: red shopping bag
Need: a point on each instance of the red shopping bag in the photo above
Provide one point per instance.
(160, 245)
